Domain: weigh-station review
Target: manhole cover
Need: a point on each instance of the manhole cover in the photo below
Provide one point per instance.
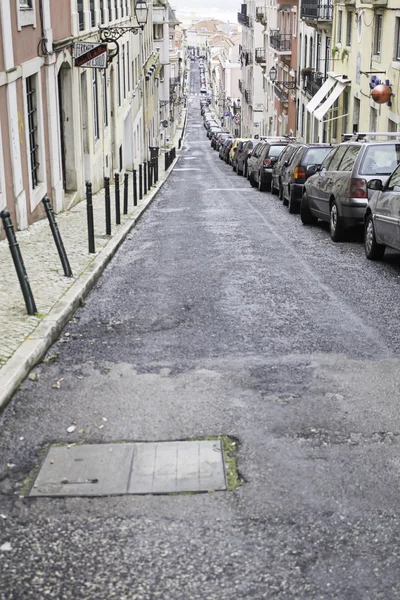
(131, 468)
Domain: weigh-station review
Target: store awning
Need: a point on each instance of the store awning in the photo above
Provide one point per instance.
(323, 109)
(320, 95)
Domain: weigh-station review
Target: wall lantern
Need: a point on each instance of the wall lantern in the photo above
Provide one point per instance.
(273, 73)
(141, 11)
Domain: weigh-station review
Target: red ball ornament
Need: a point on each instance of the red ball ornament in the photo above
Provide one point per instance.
(381, 93)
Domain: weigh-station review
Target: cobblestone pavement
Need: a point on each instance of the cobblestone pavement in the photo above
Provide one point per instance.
(43, 265)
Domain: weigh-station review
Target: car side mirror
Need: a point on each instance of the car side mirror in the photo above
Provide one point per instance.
(273, 159)
(286, 163)
(312, 169)
(375, 184)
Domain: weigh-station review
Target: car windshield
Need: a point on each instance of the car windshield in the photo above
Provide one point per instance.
(275, 150)
(381, 159)
(315, 156)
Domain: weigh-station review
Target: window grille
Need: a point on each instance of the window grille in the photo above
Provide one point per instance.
(32, 129)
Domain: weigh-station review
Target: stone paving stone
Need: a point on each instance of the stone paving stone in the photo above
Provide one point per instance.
(131, 468)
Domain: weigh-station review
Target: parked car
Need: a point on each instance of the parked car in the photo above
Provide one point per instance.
(381, 219)
(338, 192)
(260, 174)
(225, 147)
(279, 166)
(220, 138)
(213, 129)
(236, 151)
(252, 158)
(297, 169)
(248, 146)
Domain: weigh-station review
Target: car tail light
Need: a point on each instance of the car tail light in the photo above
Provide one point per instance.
(299, 173)
(267, 162)
(358, 188)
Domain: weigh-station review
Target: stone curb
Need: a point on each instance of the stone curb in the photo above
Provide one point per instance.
(33, 349)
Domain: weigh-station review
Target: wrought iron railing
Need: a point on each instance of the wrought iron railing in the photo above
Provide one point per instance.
(313, 81)
(281, 94)
(260, 55)
(314, 11)
(244, 20)
(281, 41)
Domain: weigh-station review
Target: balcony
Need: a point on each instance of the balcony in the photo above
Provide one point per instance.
(281, 94)
(246, 58)
(312, 11)
(260, 56)
(261, 16)
(247, 96)
(281, 42)
(244, 20)
(312, 82)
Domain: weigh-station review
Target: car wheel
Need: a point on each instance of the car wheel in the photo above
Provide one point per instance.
(252, 181)
(373, 250)
(274, 191)
(280, 192)
(292, 205)
(234, 168)
(285, 202)
(307, 218)
(238, 171)
(262, 186)
(335, 223)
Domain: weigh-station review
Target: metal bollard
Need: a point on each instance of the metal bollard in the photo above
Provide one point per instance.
(150, 174)
(57, 237)
(134, 188)
(108, 204)
(117, 200)
(144, 178)
(140, 182)
(166, 164)
(90, 221)
(18, 263)
(156, 170)
(126, 183)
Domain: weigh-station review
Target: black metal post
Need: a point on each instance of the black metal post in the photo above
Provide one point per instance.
(166, 159)
(150, 173)
(90, 221)
(18, 263)
(108, 205)
(156, 170)
(134, 188)
(117, 200)
(140, 182)
(126, 182)
(57, 237)
(144, 178)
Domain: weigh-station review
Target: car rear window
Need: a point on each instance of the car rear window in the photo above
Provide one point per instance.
(315, 156)
(276, 150)
(381, 159)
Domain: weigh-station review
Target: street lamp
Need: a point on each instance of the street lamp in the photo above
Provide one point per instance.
(141, 11)
(290, 85)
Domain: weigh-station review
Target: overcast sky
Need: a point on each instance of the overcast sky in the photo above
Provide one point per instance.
(218, 9)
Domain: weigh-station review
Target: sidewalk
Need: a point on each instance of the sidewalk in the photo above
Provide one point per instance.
(25, 339)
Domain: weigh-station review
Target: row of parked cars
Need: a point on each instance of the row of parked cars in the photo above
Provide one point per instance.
(352, 184)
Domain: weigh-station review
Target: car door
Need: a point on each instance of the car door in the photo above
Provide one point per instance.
(312, 186)
(324, 183)
(386, 212)
(287, 172)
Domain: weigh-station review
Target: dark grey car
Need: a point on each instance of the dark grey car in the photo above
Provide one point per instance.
(338, 193)
(261, 173)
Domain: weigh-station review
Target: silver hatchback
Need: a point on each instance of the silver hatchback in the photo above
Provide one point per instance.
(339, 191)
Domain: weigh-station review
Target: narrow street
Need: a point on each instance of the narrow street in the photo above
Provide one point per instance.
(221, 315)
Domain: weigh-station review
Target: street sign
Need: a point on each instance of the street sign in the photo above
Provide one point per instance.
(91, 54)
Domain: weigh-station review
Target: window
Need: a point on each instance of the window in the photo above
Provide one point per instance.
(25, 3)
(294, 26)
(349, 158)
(95, 106)
(128, 66)
(109, 11)
(392, 126)
(119, 80)
(123, 70)
(349, 27)
(397, 40)
(377, 35)
(380, 159)
(92, 14)
(336, 158)
(81, 15)
(126, 8)
(105, 99)
(31, 103)
(339, 26)
(373, 119)
(394, 181)
(102, 12)
(356, 113)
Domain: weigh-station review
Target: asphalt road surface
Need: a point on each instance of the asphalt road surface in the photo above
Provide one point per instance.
(221, 315)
